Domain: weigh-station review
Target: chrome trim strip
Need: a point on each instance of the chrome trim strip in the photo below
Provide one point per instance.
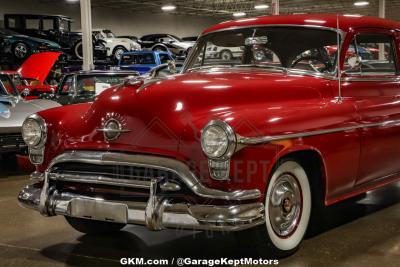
(371, 79)
(266, 139)
(154, 162)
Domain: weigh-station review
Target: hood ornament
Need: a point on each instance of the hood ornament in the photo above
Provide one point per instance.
(112, 128)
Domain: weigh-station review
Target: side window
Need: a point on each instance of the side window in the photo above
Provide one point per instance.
(67, 85)
(371, 54)
(12, 23)
(48, 24)
(32, 24)
(164, 58)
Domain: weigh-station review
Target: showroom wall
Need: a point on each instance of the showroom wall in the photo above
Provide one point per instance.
(120, 21)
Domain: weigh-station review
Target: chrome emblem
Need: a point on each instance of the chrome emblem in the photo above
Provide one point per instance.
(112, 129)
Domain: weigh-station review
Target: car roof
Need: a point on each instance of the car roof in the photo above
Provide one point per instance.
(40, 15)
(346, 22)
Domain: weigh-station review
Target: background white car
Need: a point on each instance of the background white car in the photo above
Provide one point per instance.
(115, 46)
(224, 53)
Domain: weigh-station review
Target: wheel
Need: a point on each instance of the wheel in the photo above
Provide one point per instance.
(117, 52)
(21, 50)
(93, 227)
(287, 212)
(225, 55)
(78, 50)
(160, 49)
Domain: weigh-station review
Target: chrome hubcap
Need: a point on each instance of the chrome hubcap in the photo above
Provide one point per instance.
(226, 56)
(119, 53)
(20, 51)
(285, 205)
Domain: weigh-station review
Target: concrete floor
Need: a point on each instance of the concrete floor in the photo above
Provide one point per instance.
(355, 233)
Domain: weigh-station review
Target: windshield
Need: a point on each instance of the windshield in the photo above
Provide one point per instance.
(109, 34)
(270, 47)
(138, 59)
(65, 25)
(90, 84)
(6, 86)
(173, 37)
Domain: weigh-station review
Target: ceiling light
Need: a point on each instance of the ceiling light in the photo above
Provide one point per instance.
(168, 7)
(361, 3)
(239, 14)
(72, 1)
(260, 7)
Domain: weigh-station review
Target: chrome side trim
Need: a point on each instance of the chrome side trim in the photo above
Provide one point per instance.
(154, 162)
(365, 78)
(266, 139)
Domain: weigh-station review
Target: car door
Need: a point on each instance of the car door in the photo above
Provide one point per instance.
(371, 80)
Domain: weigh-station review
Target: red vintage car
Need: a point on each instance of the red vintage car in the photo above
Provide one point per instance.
(254, 144)
(37, 75)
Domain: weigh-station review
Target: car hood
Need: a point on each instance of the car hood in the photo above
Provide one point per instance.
(38, 66)
(14, 111)
(157, 113)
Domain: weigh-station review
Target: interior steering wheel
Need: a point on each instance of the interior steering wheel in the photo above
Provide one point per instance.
(312, 60)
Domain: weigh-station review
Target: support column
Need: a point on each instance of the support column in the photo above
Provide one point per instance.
(275, 7)
(87, 42)
(382, 6)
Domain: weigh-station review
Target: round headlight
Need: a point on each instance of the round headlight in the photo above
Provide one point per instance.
(218, 140)
(32, 131)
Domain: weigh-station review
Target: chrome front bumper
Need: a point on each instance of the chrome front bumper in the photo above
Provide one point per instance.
(161, 211)
(157, 214)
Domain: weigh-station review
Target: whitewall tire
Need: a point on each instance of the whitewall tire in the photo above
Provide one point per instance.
(288, 206)
(288, 202)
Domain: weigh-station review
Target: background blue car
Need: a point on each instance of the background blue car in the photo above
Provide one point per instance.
(143, 61)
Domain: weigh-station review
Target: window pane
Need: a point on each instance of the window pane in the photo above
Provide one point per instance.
(11, 23)
(32, 24)
(48, 24)
(373, 54)
(164, 58)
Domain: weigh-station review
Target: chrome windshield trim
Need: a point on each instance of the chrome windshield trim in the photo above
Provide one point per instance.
(248, 141)
(155, 162)
(318, 27)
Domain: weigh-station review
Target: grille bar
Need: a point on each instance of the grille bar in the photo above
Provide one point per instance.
(113, 175)
(11, 143)
(99, 179)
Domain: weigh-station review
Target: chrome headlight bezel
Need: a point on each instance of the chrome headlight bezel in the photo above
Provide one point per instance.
(230, 137)
(42, 129)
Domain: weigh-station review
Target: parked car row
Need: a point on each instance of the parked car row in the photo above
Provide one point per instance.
(26, 34)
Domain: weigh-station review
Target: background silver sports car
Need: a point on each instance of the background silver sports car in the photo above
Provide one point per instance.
(13, 111)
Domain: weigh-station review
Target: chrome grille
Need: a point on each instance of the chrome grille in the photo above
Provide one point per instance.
(11, 143)
(115, 175)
